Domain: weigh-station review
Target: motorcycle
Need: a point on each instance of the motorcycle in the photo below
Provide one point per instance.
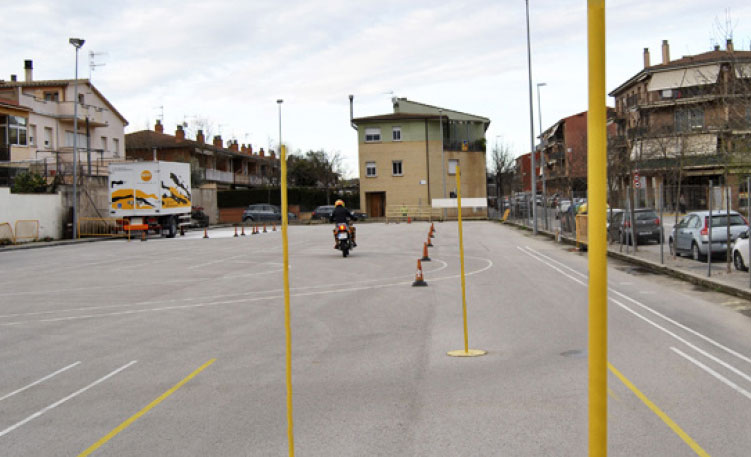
(343, 238)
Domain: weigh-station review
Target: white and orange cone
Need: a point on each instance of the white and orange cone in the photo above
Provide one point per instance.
(419, 280)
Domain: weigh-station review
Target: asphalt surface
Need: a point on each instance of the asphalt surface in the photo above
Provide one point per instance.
(92, 334)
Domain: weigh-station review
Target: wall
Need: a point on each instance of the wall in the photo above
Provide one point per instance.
(205, 196)
(48, 209)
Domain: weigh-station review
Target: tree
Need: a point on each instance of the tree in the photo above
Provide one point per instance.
(31, 183)
(502, 166)
(315, 168)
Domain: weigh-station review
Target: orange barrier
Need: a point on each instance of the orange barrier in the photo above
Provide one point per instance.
(425, 257)
(419, 280)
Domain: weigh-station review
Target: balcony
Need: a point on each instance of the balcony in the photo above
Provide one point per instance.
(471, 146)
(95, 115)
(248, 180)
(226, 177)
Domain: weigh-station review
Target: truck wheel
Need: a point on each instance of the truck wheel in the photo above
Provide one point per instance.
(171, 227)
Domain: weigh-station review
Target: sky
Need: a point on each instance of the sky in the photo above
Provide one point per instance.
(223, 64)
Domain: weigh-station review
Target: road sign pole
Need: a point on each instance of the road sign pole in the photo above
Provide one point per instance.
(597, 237)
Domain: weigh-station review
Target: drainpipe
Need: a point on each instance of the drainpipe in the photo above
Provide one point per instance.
(427, 165)
(351, 112)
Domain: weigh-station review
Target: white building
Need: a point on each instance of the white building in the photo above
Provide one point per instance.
(47, 135)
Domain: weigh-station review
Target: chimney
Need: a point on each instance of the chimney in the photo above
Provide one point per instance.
(729, 45)
(28, 66)
(646, 58)
(717, 47)
(180, 133)
(250, 149)
(159, 128)
(13, 78)
(218, 141)
(233, 146)
(199, 137)
(261, 153)
(665, 52)
(272, 155)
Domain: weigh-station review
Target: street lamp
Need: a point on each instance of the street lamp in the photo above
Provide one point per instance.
(77, 43)
(542, 160)
(279, 102)
(531, 130)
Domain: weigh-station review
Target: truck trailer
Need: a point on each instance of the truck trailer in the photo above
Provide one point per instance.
(151, 196)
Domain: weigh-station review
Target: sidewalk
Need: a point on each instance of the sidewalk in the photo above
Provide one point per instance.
(648, 257)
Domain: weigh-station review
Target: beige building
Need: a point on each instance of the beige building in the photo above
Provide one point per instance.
(404, 163)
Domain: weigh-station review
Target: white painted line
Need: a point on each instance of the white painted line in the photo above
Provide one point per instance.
(716, 375)
(39, 381)
(656, 313)
(659, 327)
(63, 400)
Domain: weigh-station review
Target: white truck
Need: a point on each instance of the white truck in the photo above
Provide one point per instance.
(151, 195)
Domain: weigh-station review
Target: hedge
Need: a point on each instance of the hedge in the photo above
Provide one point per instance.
(306, 197)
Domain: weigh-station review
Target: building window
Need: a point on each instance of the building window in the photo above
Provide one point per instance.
(370, 169)
(689, 119)
(372, 135)
(51, 96)
(396, 134)
(453, 163)
(48, 138)
(81, 140)
(116, 146)
(104, 143)
(80, 99)
(13, 130)
(32, 135)
(396, 168)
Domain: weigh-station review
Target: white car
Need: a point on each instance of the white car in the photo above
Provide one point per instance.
(740, 252)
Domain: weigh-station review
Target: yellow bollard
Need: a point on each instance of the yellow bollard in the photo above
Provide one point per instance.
(467, 352)
(287, 326)
(597, 235)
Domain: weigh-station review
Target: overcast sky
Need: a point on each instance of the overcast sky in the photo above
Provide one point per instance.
(228, 61)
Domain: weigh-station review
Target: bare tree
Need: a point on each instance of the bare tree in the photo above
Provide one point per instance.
(502, 167)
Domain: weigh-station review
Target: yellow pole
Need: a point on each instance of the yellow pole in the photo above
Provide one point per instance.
(285, 251)
(596, 238)
(461, 257)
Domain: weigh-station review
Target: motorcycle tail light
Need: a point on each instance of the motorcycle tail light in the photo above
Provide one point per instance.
(342, 227)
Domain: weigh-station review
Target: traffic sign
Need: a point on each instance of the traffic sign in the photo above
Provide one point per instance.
(637, 181)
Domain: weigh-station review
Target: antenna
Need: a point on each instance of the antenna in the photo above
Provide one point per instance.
(92, 61)
(161, 112)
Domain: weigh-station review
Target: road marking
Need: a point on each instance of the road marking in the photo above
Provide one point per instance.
(718, 376)
(39, 381)
(645, 307)
(63, 400)
(665, 418)
(146, 409)
(244, 300)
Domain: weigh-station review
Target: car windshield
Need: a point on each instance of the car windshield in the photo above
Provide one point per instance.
(722, 221)
(645, 215)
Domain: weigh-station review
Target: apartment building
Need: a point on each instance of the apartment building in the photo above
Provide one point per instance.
(45, 134)
(233, 166)
(409, 157)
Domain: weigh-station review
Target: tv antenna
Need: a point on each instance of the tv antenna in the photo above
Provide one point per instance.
(93, 63)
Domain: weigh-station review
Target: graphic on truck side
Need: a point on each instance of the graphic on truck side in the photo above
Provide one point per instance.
(123, 199)
(177, 195)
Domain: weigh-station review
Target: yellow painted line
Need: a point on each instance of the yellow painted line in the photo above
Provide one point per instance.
(140, 413)
(612, 394)
(668, 421)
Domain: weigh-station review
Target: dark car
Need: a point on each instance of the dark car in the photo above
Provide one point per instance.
(647, 226)
(323, 212)
(198, 218)
(264, 212)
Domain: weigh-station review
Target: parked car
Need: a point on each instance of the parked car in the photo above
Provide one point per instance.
(740, 252)
(647, 226)
(611, 214)
(323, 212)
(562, 208)
(691, 234)
(261, 212)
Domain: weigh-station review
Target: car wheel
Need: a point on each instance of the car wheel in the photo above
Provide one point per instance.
(738, 262)
(695, 253)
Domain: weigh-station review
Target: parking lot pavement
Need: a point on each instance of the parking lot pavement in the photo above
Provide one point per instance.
(175, 347)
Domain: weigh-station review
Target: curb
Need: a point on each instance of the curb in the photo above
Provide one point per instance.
(692, 278)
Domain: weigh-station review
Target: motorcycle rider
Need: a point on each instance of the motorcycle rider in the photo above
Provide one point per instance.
(341, 215)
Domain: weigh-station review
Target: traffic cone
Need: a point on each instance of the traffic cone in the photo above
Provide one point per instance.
(236, 235)
(264, 227)
(430, 245)
(419, 280)
(432, 228)
(425, 257)
(273, 227)
(143, 235)
(409, 219)
(182, 230)
(242, 230)
(205, 232)
(255, 230)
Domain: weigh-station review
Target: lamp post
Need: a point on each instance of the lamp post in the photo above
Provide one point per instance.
(77, 43)
(279, 102)
(542, 160)
(531, 130)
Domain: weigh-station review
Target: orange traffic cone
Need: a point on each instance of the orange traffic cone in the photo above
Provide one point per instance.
(419, 280)
(242, 230)
(143, 235)
(264, 227)
(182, 230)
(409, 219)
(430, 245)
(205, 232)
(273, 227)
(425, 257)
(432, 228)
(236, 235)
(255, 230)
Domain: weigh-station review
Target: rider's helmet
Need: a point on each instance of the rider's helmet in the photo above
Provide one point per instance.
(339, 203)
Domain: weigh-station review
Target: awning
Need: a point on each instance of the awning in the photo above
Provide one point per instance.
(687, 77)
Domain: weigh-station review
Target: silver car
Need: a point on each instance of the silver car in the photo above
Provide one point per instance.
(691, 234)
